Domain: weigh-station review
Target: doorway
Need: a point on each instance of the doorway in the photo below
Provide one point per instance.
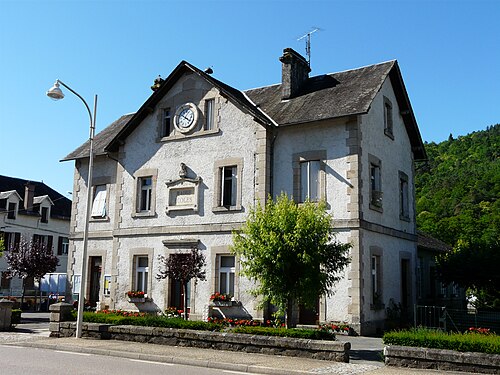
(95, 280)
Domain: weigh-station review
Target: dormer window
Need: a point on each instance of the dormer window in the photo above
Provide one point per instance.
(12, 210)
(44, 213)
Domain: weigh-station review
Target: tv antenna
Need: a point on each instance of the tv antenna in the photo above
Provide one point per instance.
(307, 37)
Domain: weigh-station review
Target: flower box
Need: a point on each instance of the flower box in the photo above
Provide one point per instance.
(222, 303)
(137, 299)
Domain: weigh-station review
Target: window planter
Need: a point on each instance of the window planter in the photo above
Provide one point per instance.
(137, 299)
(222, 303)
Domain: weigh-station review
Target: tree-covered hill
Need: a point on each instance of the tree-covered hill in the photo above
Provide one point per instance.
(457, 191)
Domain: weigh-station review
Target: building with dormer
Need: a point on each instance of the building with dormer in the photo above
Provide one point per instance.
(185, 169)
(32, 211)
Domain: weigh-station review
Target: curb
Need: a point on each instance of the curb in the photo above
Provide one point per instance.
(164, 359)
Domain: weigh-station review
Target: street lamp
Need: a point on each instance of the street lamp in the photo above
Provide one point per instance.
(56, 93)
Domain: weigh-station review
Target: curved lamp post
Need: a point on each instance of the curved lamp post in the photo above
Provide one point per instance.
(56, 93)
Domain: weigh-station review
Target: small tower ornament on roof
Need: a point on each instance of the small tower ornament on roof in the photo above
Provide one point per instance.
(157, 83)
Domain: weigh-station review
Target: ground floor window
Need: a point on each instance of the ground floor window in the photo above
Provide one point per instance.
(226, 274)
(141, 273)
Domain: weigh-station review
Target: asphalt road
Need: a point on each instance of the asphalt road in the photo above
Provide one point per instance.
(18, 360)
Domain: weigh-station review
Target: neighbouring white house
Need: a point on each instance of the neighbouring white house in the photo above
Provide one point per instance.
(32, 211)
(185, 169)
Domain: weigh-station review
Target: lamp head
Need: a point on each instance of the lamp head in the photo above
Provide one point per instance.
(55, 92)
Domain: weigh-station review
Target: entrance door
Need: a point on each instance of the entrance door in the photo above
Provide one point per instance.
(177, 295)
(309, 316)
(95, 280)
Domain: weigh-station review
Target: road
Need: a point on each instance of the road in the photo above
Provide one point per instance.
(18, 360)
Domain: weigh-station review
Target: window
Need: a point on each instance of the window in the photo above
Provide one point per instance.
(310, 180)
(44, 215)
(209, 114)
(228, 184)
(99, 202)
(146, 187)
(5, 282)
(166, 128)
(43, 240)
(141, 274)
(11, 212)
(404, 211)
(226, 274)
(388, 124)
(375, 183)
(3, 204)
(63, 246)
(376, 281)
(11, 240)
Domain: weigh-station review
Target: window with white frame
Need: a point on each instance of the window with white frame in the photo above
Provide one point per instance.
(310, 180)
(209, 114)
(229, 175)
(63, 246)
(404, 210)
(145, 193)
(99, 202)
(141, 274)
(388, 121)
(226, 274)
(376, 279)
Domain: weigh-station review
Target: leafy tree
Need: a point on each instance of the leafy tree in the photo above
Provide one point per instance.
(290, 251)
(474, 266)
(2, 246)
(31, 259)
(183, 267)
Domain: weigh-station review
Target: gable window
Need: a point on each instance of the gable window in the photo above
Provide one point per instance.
(209, 114)
(404, 212)
(375, 183)
(44, 215)
(388, 122)
(166, 128)
(226, 274)
(228, 184)
(310, 180)
(141, 274)
(12, 210)
(99, 202)
(63, 246)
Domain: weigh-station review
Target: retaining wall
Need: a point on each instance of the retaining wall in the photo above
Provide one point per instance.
(440, 359)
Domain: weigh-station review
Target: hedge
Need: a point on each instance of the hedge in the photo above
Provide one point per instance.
(462, 342)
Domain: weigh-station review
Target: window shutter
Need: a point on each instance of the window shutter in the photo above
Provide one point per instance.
(99, 204)
(49, 242)
(59, 246)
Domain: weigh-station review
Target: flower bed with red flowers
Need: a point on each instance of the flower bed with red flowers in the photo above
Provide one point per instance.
(222, 297)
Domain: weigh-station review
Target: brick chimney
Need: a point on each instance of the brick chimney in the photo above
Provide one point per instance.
(29, 195)
(294, 72)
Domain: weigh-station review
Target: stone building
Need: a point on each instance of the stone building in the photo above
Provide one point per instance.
(185, 169)
(32, 211)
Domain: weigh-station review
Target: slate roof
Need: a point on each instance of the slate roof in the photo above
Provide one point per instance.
(322, 97)
(62, 205)
(427, 242)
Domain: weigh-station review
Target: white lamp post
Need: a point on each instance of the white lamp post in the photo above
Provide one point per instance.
(56, 93)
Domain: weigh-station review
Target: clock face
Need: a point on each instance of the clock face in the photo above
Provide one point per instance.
(186, 117)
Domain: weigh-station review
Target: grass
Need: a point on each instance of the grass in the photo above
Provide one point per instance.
(462, 342)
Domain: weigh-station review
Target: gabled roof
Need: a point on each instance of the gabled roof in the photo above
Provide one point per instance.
(7, 194)
(322, 97)
(337, 95)
(62, 205)
(147, 108)
(427, 242)
(38, 200)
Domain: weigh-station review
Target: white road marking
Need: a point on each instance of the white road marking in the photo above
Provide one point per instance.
(75, 353)
(156, 363)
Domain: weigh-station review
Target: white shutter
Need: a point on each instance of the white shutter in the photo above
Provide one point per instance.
(99, 204)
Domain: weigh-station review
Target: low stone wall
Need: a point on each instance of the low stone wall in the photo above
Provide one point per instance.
(439, 359)
(326, 350)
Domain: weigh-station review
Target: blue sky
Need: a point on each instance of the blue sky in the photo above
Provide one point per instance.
(448, 51)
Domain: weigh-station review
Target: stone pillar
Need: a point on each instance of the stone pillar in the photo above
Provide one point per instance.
(5, 314)
(59, 312)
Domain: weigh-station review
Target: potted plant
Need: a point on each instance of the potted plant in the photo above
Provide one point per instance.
(136, 296)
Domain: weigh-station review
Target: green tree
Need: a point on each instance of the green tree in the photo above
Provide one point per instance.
(183, 267)
(474, 266)
(291, 253)
(2, 246)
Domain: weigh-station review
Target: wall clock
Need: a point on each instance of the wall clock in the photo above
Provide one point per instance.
(186, 117)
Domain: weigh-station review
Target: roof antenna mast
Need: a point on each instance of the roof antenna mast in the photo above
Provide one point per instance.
(307, 37)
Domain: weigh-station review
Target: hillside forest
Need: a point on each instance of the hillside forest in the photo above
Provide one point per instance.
(457, 193)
